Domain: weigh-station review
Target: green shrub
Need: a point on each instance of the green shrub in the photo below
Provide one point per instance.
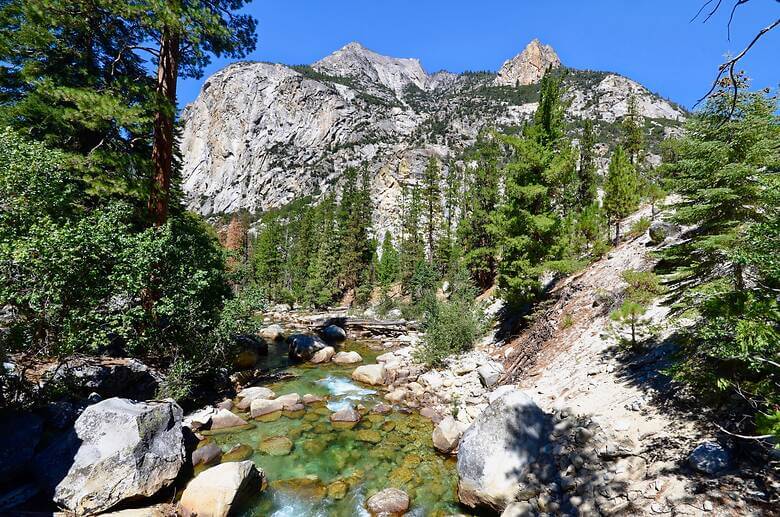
(85, 275)
(639, 227)
(450, 328)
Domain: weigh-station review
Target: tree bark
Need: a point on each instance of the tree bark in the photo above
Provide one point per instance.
(162, 147)
(617, 232)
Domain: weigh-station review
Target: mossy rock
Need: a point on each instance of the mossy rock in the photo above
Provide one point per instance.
(337, 490)
(369, 436)
(238, 453)
(276, 446)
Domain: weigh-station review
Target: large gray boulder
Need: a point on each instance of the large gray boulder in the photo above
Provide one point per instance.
(496, 450)
(118, 450)
(302, 347)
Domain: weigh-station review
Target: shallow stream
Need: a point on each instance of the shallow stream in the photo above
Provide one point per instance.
(331, 471)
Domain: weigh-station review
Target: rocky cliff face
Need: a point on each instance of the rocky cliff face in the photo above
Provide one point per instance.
(260, 135)
(529, 66)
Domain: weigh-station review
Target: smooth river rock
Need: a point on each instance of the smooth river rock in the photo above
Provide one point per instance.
(247, 395)
(496, 450)
(446, 435)
(324, 355)
(123, 450)
(347, 358)
(334, 334)
(373, 374)
(218, 491)
(388, 502)
(260, 407)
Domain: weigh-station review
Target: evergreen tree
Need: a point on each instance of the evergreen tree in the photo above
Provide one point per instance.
(587, 170)
(537, 195)
(482, 193)
(431, 202)
(388, 268)
(633, 133)
(354, 222)
(60, 83)
(412, 246)
(323, 272)
(621, 190)
(84, 61)
(268, 261)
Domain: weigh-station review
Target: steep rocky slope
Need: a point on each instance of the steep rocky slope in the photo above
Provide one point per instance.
(260, 135)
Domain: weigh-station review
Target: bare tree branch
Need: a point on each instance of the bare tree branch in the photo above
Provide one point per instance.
(730, 65)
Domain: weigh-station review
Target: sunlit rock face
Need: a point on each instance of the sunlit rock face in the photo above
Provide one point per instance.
(260, 135)
(529, 66)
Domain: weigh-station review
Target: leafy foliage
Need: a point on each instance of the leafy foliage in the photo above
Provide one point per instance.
(79, 280)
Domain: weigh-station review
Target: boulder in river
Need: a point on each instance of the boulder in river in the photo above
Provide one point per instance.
(220, 490)
(247, 395)
(388, 502)
(260, 407)
(302, 347)
(324, 355)
(118, 450)
(222, 419)
(208, 454)
(250, 350)
(347, 358)
(495, 452)
(21, 433)
(334, 334)
(446, 435)
(373, 374)
(348, 414)
(272, 332)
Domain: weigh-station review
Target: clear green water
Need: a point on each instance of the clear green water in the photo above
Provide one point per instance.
(330, 471)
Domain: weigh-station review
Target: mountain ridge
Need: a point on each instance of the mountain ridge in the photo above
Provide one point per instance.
(260, 135)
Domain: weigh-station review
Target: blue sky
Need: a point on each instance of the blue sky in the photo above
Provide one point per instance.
(649, 41)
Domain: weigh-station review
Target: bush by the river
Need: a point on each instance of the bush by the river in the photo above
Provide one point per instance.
(82, 274)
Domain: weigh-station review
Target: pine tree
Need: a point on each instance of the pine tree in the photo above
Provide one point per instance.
(482, 193)
(431, 202)
(354, 222)
(388, 268)
(412, 246)
(621, 189)
(633, 133)
(268, 262)
(323, 272)
(538, 194)
(80, 70)
(587, 169)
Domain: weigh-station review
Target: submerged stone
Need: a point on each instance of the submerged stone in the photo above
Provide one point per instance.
(369, 436)
(276, 446)
(238, 452)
